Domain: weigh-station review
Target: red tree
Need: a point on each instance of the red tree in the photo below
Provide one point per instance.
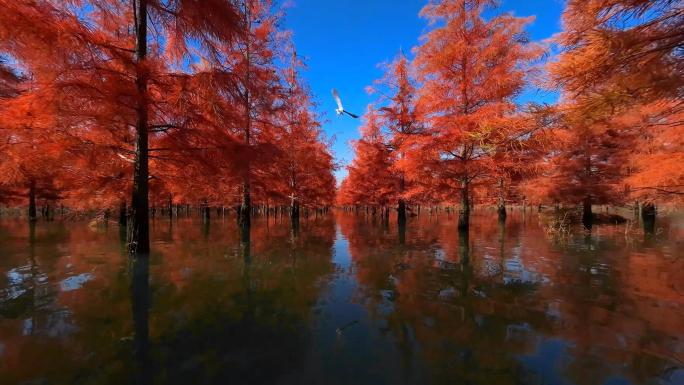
(471, 69)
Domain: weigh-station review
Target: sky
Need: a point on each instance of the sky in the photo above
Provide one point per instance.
(344, 42)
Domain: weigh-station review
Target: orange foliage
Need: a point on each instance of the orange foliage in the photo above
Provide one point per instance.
(222, 116)
(614, 136)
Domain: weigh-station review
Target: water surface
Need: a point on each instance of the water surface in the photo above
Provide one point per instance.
(343, 299)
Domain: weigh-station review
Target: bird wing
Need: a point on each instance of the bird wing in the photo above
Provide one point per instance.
(337, 99)
(352, 115)
(122, 156)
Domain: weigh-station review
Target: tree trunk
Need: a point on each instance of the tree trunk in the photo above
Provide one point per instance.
(501, 209)
(648, 215)
(294, 210)
(123, 215)
(587, 215)
(139, 230)
(206, 212)
(33, 216)
(244, 217)
(401, 211)
(464, 210)
(245, 212)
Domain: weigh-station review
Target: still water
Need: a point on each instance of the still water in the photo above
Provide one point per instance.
(344, 299)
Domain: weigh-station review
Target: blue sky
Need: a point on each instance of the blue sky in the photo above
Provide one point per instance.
(344, 41)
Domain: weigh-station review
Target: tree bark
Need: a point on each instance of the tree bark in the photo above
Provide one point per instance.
(123, 214)
(648, 215)
(139, 230)
(501, 209)
(464, 210)
(33, 216)
(244, 217)
(294, 210)
(587, 214)
(401, 210)
(206, 212)
(170, 206)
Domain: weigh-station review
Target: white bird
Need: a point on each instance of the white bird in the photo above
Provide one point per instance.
(340, 110)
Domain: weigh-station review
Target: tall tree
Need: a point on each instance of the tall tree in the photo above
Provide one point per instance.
(398, 97)
(370, 180)
(304, 160)
(624, 55)
(120, 55)
(471, 69)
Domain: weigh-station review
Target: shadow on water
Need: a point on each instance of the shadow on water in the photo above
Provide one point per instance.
(341, 299)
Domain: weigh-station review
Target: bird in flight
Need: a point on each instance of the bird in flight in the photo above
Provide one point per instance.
(340, 110)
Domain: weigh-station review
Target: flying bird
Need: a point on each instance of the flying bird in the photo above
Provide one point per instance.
(340, 110)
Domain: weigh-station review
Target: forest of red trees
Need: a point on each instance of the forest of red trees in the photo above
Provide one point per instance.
(143, 105)
(138, 106)
(447, 128)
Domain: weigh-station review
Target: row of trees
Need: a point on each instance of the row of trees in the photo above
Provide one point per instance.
(447, 129)
(108, 104)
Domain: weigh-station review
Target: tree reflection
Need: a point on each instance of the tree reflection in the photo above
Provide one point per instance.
(500, 305)
(140, 301)
(468, 323)
(245, 321)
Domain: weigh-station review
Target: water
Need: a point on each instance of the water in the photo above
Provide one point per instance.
(342, 300)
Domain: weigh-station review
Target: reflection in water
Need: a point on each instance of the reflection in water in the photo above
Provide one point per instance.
(140, 301)
(401, 229)
(342, 299)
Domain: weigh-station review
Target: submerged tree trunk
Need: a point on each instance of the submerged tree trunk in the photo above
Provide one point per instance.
(244, 217)
(464, 210)
(294, 210)
(648, 215)
(401, 228)
(206, 212)
(123, 214)
(501, 209)
(139, 230)
(401, 211)
(636, 210)
(32, 201)
(587, 214)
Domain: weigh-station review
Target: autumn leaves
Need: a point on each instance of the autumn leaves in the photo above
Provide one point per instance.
(109, 104)
(453, 126)
(450, 130)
